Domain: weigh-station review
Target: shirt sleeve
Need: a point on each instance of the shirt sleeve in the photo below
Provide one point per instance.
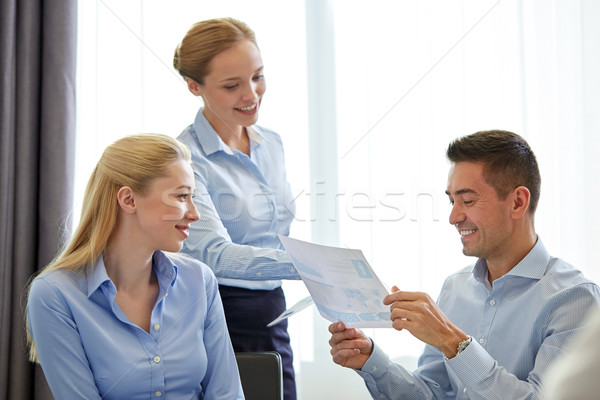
(222, 376)
(481, 377)
(387, 380)
(58, 344)
(210, 243)
(575, 376)
(484, 379)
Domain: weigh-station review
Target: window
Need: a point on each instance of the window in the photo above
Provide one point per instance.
(402, 79)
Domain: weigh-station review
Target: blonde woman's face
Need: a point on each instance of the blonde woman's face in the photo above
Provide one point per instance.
(233, 90)
(165, 213)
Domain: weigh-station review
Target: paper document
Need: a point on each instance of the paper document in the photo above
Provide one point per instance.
(341, 283)
(299, 306)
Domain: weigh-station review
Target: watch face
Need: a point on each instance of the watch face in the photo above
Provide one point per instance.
(463, 345)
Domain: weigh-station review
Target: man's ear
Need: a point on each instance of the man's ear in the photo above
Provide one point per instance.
(126, 200)
(520, 201)
(193, 86)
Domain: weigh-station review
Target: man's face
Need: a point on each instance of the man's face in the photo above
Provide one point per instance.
(481, 218)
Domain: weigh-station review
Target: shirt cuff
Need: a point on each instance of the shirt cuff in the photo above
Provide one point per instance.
(473, 365)
(376, 365)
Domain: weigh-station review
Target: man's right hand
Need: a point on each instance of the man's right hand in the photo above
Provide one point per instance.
(349, 347)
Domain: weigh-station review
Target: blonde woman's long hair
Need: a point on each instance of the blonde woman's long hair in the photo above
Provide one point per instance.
(134, 161)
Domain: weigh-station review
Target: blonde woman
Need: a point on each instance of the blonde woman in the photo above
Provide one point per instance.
(114, 316)
(244, 198)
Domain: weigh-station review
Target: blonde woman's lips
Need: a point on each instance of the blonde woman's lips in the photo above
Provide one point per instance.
(184, 229)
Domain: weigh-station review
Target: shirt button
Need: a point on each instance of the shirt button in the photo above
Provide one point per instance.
(156, 359)
(482, 340)
(156, 327)
(492, 302)
(158, 393)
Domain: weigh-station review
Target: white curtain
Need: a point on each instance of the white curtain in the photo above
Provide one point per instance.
(394, 82)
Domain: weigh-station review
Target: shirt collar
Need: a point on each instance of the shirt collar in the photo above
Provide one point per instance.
(533, 265)
(96, 276)
(166, 272)
(211, 142)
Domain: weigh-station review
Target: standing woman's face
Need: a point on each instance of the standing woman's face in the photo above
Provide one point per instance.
(233, 89)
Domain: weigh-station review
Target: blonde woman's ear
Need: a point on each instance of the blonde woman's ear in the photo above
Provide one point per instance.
(193, 86)
(125, 198)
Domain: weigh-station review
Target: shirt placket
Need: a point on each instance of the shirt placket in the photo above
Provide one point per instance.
(490, 308)
(150, 341)
(267, 192)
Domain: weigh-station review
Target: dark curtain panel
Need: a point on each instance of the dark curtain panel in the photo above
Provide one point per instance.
(37, 133)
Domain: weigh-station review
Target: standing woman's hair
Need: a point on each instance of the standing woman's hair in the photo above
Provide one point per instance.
(203, 41)
(134, 161)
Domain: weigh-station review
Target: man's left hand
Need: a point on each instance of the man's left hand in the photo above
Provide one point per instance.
(420, 315)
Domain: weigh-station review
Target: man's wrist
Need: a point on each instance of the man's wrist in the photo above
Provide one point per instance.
(462, 345)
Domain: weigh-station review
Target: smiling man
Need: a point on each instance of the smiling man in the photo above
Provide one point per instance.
(499, 324)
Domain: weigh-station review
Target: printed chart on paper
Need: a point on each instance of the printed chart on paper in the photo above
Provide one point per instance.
(341, 283)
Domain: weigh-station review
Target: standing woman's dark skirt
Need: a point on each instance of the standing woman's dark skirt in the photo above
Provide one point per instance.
(247, 313)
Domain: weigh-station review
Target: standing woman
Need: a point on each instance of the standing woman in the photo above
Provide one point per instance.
(113, 316)
(243, 195)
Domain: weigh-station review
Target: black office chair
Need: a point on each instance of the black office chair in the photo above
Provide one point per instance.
(261, 374)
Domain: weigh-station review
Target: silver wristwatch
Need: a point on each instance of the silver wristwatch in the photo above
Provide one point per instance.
(463, 345)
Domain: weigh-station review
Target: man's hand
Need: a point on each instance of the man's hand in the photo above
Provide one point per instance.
(349, 347)
(420, 315)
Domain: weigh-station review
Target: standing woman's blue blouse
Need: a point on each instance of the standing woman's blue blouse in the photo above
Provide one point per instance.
(244, 203)
(89, 349)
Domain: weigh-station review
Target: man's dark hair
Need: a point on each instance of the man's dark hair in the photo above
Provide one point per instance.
(508, 161)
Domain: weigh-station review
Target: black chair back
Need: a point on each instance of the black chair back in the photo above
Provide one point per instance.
(261, 374)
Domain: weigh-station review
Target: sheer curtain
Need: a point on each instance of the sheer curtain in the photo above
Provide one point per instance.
(366, 98)
(419, 76)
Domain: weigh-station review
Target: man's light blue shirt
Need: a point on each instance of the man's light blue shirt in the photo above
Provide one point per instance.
(519, 326)
(244, 203)
(89, 349)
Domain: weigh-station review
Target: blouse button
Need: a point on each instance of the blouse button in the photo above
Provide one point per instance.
(156, 327)
(492, 302)
(156, 359)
